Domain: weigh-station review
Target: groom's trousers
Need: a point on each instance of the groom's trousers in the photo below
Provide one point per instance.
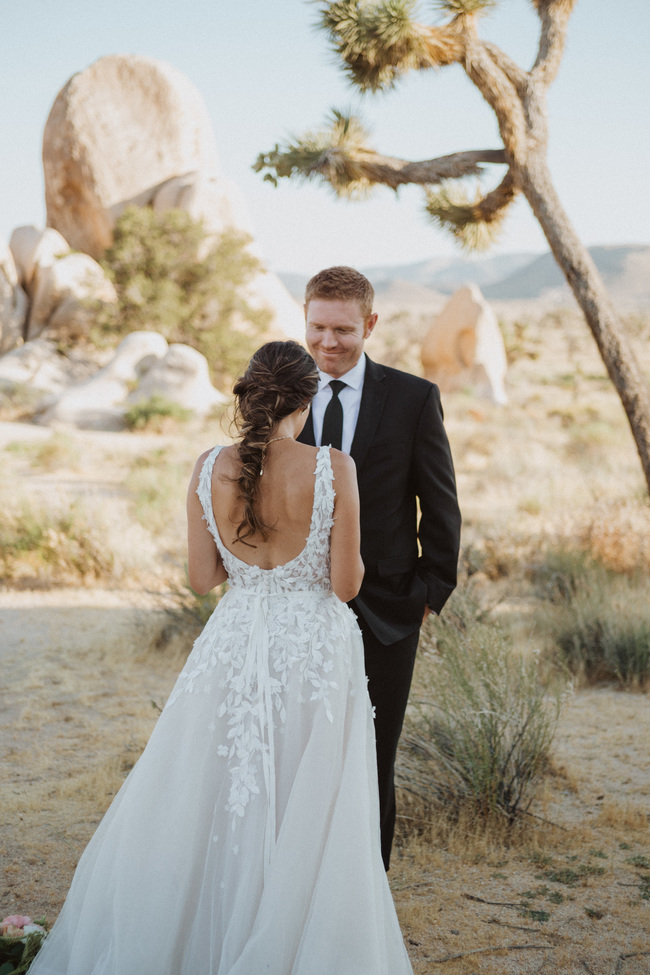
(389, 670)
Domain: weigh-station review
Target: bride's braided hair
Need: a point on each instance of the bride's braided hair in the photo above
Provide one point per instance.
(280, 378)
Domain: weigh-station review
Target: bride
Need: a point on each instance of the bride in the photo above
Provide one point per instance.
(246, 838)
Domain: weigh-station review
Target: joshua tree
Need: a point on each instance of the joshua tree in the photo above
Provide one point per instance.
(378, 42)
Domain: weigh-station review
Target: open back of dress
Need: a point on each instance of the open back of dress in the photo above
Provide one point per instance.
(246, 839)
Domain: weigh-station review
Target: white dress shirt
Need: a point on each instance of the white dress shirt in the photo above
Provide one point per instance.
(350, 399)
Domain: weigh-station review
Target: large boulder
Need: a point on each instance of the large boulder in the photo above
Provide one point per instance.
(205, 197)
(32, 247)
(98, 403)
(182, 377)
(464, 347)
(134, 130)
(13, 302)
(63, 293)
(39, 367)
(116, 133)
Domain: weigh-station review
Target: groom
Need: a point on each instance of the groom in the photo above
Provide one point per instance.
(391, 424)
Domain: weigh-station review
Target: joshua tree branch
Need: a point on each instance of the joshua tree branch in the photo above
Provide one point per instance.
(393, 172)
(554, 18)
(499, 92)
(355, 169)
(494, 203)
(516, 75)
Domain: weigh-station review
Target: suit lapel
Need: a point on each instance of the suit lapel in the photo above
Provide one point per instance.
(370, 409)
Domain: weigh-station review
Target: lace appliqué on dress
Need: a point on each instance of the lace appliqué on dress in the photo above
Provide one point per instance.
(276, 631)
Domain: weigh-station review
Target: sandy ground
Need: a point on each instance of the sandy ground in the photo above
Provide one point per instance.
(86, 667)
(81, 669)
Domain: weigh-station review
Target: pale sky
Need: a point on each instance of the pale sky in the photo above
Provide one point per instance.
(265, 73)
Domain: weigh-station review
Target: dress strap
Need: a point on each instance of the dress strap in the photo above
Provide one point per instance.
(324, 493)
(204, 488)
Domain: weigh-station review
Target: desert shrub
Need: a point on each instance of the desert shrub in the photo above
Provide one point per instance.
(618, 536)
(19, 402)
(151, 413)
(168, 279)
(58, 450)
(479, 732)
(157, 485)
(518, 340)
(51, 546)
(595, 622)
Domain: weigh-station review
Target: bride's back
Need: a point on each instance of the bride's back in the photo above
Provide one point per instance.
(284, 501)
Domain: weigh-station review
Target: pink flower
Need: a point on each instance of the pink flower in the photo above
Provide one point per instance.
(12, 926)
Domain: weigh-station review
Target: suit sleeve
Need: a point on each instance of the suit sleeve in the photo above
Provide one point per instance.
(435, 484)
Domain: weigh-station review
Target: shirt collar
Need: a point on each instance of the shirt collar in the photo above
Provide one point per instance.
(354, 377)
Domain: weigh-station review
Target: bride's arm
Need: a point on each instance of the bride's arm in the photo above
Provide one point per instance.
(205, 570)
(346, 567)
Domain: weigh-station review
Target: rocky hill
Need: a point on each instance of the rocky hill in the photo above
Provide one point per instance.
(506, 277)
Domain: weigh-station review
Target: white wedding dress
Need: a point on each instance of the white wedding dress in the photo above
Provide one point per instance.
(245, 841)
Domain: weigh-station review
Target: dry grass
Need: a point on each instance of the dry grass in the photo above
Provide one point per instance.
(83, 666)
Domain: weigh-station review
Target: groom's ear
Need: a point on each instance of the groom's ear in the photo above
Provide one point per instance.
(369, 324)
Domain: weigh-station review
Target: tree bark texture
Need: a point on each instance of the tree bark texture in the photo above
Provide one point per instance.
(586, 284)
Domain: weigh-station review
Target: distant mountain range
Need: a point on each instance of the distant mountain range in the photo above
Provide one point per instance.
(508, 277)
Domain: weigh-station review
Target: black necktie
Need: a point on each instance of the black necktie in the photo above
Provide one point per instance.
(333, 418)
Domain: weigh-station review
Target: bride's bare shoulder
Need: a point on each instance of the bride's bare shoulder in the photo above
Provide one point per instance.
(342, 464)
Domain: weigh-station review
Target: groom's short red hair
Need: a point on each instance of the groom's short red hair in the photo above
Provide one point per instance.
(341, 284)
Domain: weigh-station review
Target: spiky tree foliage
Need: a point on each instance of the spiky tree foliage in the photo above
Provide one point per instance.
(379, 41)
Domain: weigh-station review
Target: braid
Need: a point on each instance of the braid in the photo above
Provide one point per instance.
(281, 377)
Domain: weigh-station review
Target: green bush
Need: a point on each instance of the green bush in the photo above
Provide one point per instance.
(60, 545)
(479, 735)
(168, 280)
(150, 412)
(595, 621)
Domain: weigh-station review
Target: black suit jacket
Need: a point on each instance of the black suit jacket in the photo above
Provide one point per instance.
(402, 455)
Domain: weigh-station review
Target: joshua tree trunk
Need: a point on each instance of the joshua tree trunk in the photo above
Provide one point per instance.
(378, 42)
(586, 284)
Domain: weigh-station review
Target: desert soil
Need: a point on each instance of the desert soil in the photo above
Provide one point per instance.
(85, 669)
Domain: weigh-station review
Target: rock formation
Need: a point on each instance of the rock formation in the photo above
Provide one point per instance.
(181, 376)
(464, 347)
(98, 403)
(62, 295)
(126, 130)
(133, 130)
(33, 248)
(117, 132)
(38, 367)
(13, 301)
(143, 366)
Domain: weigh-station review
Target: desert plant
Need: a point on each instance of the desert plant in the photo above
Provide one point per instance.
(170, 277)
(19, 402)
(58, 450)
(150, 413)
(595, 621)
(379, 42)
(479, 733)
(157, 485)
(51, 544)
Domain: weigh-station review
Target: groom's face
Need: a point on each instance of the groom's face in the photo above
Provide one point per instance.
(335, 333)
